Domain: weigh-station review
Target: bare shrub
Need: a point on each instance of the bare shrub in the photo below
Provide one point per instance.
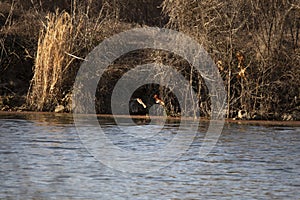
(165, 89)
(18, 41)
(255, 45)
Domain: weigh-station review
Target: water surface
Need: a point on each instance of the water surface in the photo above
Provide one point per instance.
(42, 157)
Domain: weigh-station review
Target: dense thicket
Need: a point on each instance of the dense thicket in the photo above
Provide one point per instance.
(255, 44)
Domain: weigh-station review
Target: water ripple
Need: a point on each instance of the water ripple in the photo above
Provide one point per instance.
(46, 160)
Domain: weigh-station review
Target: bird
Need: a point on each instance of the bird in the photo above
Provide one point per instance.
(158, 100)
(137, 106)
(140, 101)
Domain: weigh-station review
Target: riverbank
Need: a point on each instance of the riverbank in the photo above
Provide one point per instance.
(17, 105)
(258, 61)
(68, 117)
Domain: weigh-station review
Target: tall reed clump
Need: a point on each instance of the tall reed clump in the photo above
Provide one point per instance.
(51, 62)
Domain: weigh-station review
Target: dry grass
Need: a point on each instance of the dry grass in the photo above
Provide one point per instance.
(265, 83)
(63, 43)
(51, 62)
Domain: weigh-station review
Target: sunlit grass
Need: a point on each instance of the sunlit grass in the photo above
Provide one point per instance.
(51, 62)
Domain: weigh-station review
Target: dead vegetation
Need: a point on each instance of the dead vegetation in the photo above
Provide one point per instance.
(64, 41)
(52, 62)
(256, 47)
(255, 44)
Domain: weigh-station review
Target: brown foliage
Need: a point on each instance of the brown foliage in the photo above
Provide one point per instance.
(51, 63)
(256, 45)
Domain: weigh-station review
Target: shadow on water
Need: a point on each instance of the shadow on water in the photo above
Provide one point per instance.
(47, 118)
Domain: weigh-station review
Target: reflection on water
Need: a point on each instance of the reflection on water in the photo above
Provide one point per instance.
(42, 157)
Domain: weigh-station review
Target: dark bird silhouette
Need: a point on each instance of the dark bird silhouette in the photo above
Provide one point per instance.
(137, 107)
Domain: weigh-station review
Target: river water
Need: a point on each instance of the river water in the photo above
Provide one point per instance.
(43, 157)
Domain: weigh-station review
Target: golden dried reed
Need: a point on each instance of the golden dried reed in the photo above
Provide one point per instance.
(51, 62)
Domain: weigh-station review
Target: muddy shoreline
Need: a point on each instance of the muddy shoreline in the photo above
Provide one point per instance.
(48, 116)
